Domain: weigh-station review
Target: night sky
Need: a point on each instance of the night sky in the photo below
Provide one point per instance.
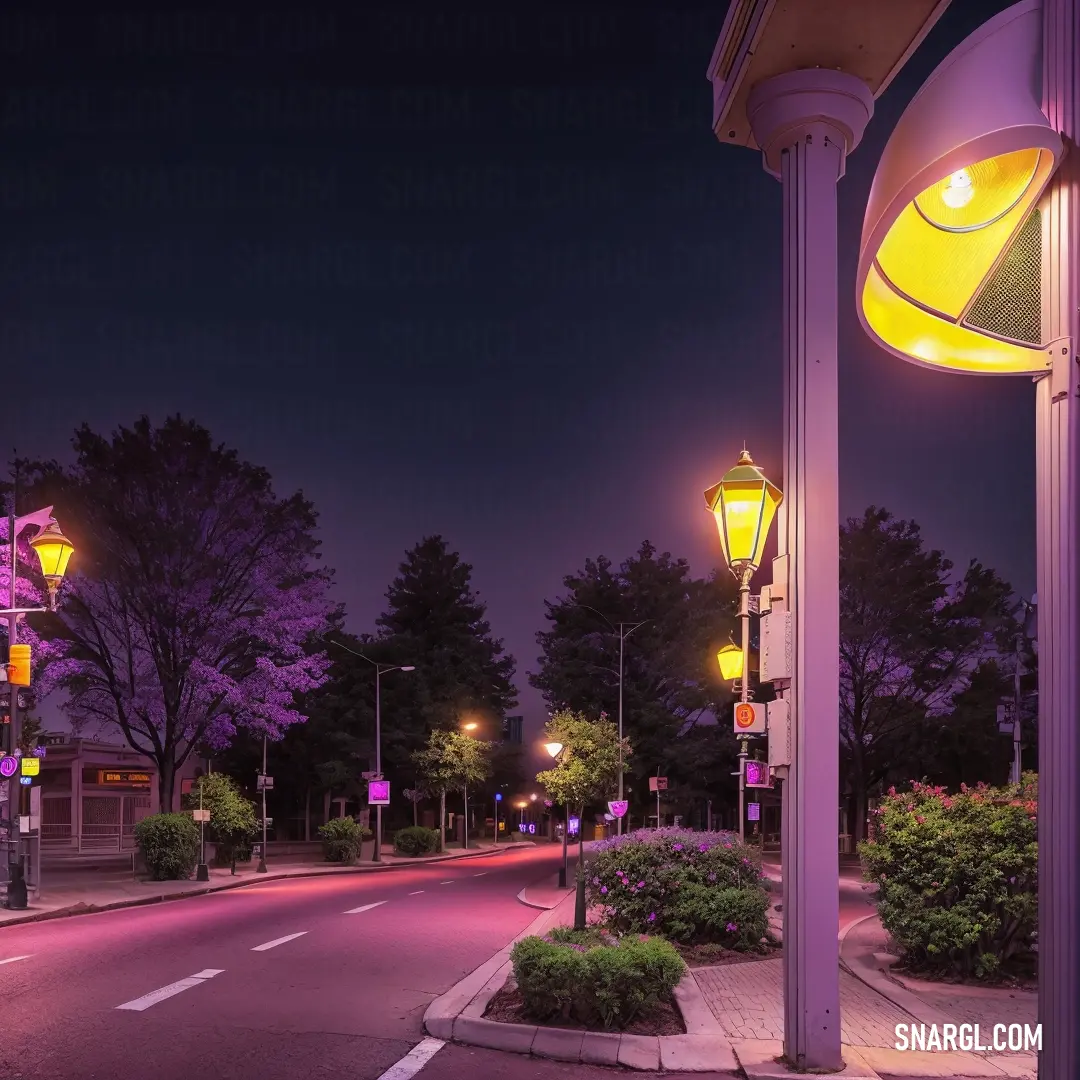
(464, 271)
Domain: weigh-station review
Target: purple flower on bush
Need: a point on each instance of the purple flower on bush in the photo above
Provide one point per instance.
(603, 889)
(703, 847)
(641, 884)
(712, 877)
(596, 881)
(676, 847)
(652, 916)
(732, 927)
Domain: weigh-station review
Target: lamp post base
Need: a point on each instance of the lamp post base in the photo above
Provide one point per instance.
(202, 872)
(261, 868)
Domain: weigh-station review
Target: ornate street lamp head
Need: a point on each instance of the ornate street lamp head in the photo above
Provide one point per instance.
(730, 659)
(53, 550)
(744, 504)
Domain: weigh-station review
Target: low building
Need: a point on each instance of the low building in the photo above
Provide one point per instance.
(94, 793)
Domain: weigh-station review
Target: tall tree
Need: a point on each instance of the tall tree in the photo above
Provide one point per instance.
(910, 637)
(435, 621)
(670, 679)
(197, 593)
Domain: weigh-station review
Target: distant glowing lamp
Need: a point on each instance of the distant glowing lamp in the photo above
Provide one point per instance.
(53, 550)
(950, 266)
(553, 748)
(730, 659)
(744, 504)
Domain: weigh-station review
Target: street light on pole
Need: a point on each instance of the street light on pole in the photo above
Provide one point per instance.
(744, 504)
(625, 629)
(53, 550)
(970, 262)
(469, 727)
(380, 671)
(555, 750)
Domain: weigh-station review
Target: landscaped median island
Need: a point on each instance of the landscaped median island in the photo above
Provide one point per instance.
(620, 991)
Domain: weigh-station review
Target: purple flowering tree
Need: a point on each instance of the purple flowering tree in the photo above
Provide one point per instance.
(194, 597)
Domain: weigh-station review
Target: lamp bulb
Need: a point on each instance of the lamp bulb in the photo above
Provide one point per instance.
(958, 191)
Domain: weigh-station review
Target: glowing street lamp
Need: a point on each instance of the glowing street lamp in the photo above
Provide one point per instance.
(553, 748)
(730, 659)
(744, 504)
(970, 262)
(54, 550)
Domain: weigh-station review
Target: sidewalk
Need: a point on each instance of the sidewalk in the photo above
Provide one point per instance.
(68, 891)
(747, 1003)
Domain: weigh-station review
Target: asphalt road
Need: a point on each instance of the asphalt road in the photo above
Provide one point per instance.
(309, 977)
(283, 980)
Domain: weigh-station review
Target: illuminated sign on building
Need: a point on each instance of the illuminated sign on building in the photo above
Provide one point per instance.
(117, 776)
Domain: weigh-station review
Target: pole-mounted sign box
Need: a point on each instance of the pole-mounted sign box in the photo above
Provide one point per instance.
(31, 766)
(618, 808)
(264, 783)
(749, 718)
(757, 774)
(378, 793)
(658, 783)
(18, 666)
(201, 815)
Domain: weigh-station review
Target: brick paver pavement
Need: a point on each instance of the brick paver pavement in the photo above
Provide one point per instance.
(748, 1003)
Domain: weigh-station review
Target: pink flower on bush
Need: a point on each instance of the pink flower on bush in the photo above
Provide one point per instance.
(603, 890)
(703, 847)
(676, 847)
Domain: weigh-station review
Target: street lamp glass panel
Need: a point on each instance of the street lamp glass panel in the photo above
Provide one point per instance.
(553, 748)
(744, 504)
(469, 727)
(406, 667)
(730, 659)
(54, 550)
(938, 256)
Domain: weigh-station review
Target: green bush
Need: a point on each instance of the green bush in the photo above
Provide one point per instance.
(416, 840)
(603, 985)
(735, 918)
(341, 840)
(685, 885)
(233, 824)
(957, 875)
(169, 844)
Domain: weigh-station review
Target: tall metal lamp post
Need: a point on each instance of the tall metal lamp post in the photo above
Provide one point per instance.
(625, 629)
(380, 671)
(53, 550)
(744, 504)
(555, 749)
(970, 262)
(468, 728)
(797, 82)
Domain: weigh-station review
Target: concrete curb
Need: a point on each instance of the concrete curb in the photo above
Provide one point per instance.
(459, 1016)
(141, 901)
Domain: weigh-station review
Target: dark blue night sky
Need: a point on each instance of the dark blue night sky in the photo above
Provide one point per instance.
(476, 271)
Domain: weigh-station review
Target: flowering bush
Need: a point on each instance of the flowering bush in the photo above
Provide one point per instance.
(690, 886)
(341, 839)
(603, 985)
(957, 874)
(169, 844)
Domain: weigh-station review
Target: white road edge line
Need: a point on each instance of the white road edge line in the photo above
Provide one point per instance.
(417, 893)
(165, 992)
(446, 883)
(366, 907)
(481, 874)
(12, 959)
(414, 1060)
(278, 941)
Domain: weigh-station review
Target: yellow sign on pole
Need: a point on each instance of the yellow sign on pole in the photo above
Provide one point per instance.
(31, 766)
(18, 668)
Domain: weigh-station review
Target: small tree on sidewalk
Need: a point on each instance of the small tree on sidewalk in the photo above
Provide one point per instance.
(586, 771)
(452, 761)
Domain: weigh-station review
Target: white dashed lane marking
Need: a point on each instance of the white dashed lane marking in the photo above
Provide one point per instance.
(446, 883)
(166, 992)
(14, 959)
(481, 874)
(365, 907)
(278, 941)
(417, 893)
(414, 1060)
